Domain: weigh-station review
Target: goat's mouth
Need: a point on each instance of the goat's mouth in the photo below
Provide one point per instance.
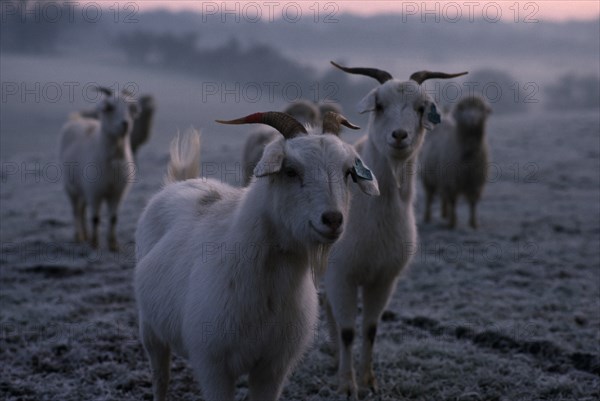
(329, 236)
(399, 146)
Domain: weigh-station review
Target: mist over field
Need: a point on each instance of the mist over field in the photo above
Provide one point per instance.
(508, 312)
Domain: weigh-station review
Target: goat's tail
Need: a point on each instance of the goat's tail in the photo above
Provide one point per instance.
(185, 157)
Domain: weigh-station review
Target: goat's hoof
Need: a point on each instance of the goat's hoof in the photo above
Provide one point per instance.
(370, 382)
(113, 246)
(348, 389)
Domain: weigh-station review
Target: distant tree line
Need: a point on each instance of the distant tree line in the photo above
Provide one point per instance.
(573, 91)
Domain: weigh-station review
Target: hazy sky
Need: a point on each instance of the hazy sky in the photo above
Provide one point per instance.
(511, 10)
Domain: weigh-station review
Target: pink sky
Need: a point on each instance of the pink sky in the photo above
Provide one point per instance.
(546, 10)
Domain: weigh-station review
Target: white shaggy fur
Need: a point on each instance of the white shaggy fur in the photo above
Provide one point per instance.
(455, 160)
(381, 235)
(97, 156)
(224, 274)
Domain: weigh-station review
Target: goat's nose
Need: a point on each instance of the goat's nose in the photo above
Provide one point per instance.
(399, 135)
(332, 219)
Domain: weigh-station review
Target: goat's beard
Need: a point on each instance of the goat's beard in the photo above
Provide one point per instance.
(318, 258)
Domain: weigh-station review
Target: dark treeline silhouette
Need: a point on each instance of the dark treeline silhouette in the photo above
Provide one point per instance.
(573, 91)
(287, 54)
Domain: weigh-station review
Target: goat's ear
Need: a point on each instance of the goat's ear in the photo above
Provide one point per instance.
(272, 158)
(431, 116)
(364, 178)
(133, 110)
(368, 103)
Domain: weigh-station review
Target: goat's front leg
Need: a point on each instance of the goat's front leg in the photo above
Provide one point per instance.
(95, 206)
(451, 206)
(266, 382)
(375, 297)
(444, 207)
(215, 380)
(113, 206)
(473, 213)
(428, 202)
(333, 332)
(343, 301)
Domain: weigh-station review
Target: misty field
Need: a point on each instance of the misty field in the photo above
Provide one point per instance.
(508, 312)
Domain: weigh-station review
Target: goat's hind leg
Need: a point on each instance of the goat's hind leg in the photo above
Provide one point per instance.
(160, 361)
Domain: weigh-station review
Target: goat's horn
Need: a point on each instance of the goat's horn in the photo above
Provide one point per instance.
(380, 75)
(105, 90)
(282, 122)
(421, 76)
(332, 123)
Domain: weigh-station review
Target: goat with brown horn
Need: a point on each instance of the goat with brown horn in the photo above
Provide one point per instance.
(295, 210)
(332, 123)
(282, 122)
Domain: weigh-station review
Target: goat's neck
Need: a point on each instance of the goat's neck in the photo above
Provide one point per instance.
(473, 131)
(143, 122)
(255, 231)
(396, 177)
(115, 148)
(471, 138)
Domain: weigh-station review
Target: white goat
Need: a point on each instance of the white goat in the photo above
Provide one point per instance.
(97, 155)
(224, 274)
(302, 110)
(455, 160)
(142, 124)
(380, 235)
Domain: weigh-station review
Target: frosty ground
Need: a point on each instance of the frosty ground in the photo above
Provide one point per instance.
(508, 312)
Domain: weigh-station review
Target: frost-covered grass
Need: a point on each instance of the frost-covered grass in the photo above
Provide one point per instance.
(508, 312)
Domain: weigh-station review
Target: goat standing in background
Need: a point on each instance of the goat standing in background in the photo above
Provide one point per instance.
(97, 155)
(455, 160)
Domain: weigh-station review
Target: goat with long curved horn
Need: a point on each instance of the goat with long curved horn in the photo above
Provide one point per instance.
(287, 125)
(421, 76)
(380, 75)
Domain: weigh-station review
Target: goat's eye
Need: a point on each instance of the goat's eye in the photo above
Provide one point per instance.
(109, 108)
(290, 172)
(378, 106)
(347, 174)
(421, 109)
